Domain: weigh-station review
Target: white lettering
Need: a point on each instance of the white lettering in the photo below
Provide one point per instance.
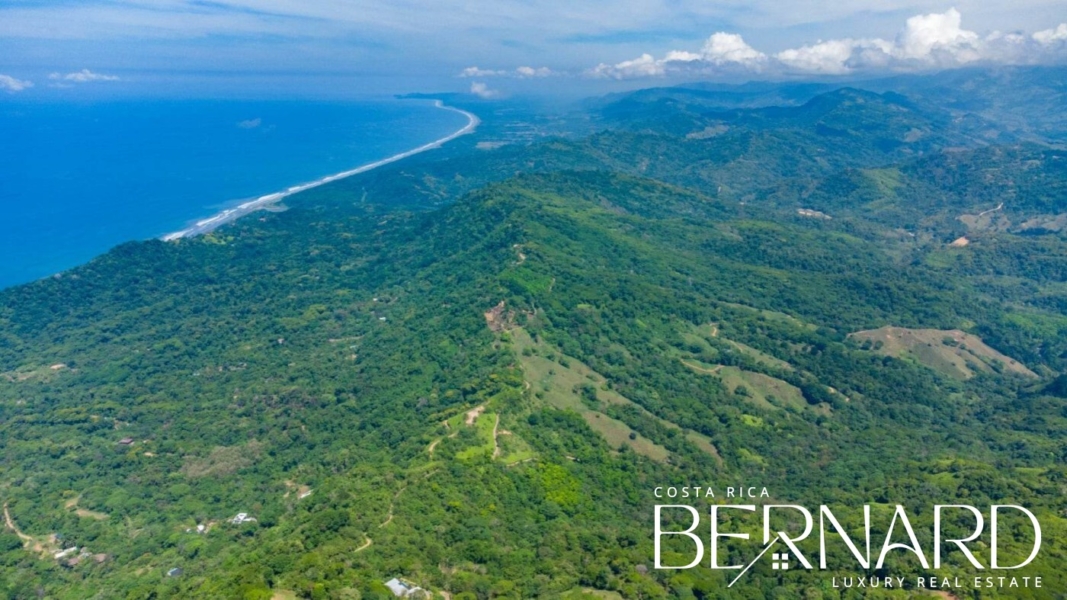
(993, 525)
(980, 524)
(715, 535)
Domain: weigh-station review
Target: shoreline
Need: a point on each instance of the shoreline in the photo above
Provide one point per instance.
(232, 214)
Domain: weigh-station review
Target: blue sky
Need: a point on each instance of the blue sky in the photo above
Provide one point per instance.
(349, 47)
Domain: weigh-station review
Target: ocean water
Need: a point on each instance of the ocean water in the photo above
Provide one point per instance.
(78, 179)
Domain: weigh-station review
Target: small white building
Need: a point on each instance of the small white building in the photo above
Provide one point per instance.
(242, 518)
(402, 589)
(65, 553)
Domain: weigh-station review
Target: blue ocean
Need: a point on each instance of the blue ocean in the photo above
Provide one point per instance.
(78, 179)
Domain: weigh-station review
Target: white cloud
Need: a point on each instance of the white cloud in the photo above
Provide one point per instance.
(729, 48)
(926, 36)
(936, 40)
(283, 36)
(835, 57)
(11, 85)
(482, 90)
(83, 76)
(720, 50)
(1050, 36)
(476, 72)
(823, 57)
(520, 72)
(532, 72)
(681, 56)
(250, 123)
(642, 66)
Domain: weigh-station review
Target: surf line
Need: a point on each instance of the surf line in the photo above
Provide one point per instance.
(232, 214)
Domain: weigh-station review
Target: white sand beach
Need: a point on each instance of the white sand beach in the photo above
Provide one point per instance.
(262, 202)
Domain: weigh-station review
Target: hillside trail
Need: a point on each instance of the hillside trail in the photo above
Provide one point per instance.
(992, 210)
(700, 369)
(496, 446)
(28, 541)
(11, 525)
(396, 496)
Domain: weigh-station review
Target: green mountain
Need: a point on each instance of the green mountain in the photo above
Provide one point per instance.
(470, 370)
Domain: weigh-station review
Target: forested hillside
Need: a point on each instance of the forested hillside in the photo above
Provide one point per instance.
(469, 370)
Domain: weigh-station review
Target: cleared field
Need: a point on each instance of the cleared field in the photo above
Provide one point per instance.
(771, 315)
(762, 390)
(483, 424)
(761, 357)
(511, 449)
(72, 504)
(556, 382)
(30, 373)
(711, 330)
(951, 352)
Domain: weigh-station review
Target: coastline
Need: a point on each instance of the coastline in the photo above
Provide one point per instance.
(232, 214)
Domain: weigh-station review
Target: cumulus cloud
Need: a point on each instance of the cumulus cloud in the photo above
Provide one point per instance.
(824, 57)
(482, 90)
(83, 76)
(925, 35)
(835, 57)
(642, 66)
(720, 50)
(11, 85)
(1051, 36)
(936, 40)
(729, 48)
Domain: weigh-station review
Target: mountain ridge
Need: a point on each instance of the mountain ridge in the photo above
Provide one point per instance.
(344, 373)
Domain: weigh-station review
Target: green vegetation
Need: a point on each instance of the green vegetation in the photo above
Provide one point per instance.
(471, 369)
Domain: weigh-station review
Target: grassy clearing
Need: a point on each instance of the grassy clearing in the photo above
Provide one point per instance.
(555, 382)
(702, 333)
(761, 357)
(950, 352)
(483, 425)
(223, 460)
(772, 315)
(85, 513)
(31, 373)
(761, 390)
(513, 449)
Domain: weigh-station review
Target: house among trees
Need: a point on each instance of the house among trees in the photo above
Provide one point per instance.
(405, 589)
(242, 518)
(126, 441)
(65, 553)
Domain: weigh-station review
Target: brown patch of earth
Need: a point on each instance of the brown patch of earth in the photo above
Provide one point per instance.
(473, 414)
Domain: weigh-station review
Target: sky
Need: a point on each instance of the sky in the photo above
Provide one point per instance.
(300, 48)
